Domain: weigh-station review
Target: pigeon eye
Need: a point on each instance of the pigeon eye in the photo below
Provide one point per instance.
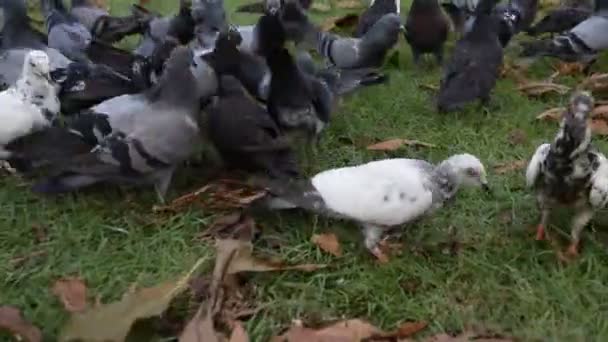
(472, 172)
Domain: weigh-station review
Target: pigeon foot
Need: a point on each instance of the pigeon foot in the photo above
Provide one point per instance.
(540, 233)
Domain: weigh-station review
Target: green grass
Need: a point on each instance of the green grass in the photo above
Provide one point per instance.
(501, 278)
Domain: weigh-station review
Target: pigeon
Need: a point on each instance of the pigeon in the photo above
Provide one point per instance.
(459, 12)
(157, 133)
(378, 195)
(17, 31)
(228, 59)
(210, 19)
(268, 6)
(296, 101)
(570, 172)
(105, 27)
(246, 136)
(65, 33)
(426, 29)
(31, 104)
(559, 20)
(178, 28)
(581, 44)
(345, 53)
(377, 9)
(474, 66)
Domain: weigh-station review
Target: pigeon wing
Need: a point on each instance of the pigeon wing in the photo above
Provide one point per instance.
(534, 167)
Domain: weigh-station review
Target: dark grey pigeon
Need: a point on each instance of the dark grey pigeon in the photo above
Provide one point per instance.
(210, 19)
(377, 9)
(296, 101)
(268, 5)
(345, 53)
(426, 29)
(459, 11)
(581, 44)
(161, 132)
(16, 30)
(245, 135)
(65, 33)
(105, 27)
(471, 72)
(559, 20)
(570, 172)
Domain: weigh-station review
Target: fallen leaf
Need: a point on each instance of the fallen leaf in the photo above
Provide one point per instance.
(344, 331)
(200, 328)
(349, 4)
(12, 321)
(595, 83)
(22, 259)
(40, 232)
(506, 167)
(235, 225)
(395, 144)
(320, 7)
(244, 261)
(409, 329)
(328, 243)
(112, 322)
(553, 114)
(239, 334)
(542, 88)
(568, 69)
(599, 127)
(72, 292)
(518, 137)
(467, 336)
(600, 112)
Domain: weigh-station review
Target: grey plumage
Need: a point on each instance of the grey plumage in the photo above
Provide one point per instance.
(17, 31)
(160, 132)
(371, 15)
(65, 33)
(559, 20)
(472, 70)
(210, 19)
(570, 171)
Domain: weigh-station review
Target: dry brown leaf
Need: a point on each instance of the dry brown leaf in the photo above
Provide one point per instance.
(595, 83)
(600, 111)
(238, 333)
(235, 225)
(542, 88)
(244, 261)
(599, 127)
(12, 321)
(328, 243)
(518, 137)
(553, 114)
(568, 69)
(468, 336)
(112, 322)
(349, 4)
(320, 7)
(344, 331)
(409, 329)
(506, 167)
(200, 328)
(72, 292)
(395, 144)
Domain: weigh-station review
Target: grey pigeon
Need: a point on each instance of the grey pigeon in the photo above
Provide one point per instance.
(210, 19)
(345, 53)
(377, 9)
(378, 195)
(245, 135)
(426, 29)
(581, 44)
(559, 20)
(157, 133)
(459, 11)
(65, 33)
(29, 105)
(16, 29)
(105, 27)
(269, 5)
(570, 172)
(471, 72)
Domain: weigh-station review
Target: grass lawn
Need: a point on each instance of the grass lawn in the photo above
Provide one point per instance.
(501, 278)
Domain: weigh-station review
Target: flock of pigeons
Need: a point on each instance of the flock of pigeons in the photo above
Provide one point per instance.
(132, 118)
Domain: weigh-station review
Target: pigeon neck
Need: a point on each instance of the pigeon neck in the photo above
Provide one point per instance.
(447, 179)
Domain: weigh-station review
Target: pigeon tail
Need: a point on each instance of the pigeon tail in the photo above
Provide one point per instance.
(288, 194)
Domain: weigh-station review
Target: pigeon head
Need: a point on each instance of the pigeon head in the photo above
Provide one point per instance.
(574, 135)
(581, 104)
(294, 20)
(225, 54)
(37, 65)
(270, 35)
(181, 27)
(468, 170)
(177, 85)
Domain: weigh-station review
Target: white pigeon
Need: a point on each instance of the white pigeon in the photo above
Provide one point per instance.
(380, 194)
(570, 172)
(31, 104)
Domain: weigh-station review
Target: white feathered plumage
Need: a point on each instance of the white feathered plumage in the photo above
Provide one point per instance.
(30, 104)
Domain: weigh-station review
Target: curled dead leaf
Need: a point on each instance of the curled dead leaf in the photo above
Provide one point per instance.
(595, 83)
(506, 167)
(542, 88)
(568, 69)
(72, 292)
(409, 329)
(599, 127)
(328, 243)
(350, 330)
(12, 321)
(235, 225)
(395, 144)
(238, 333)
(600, 111)
(553, 114)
